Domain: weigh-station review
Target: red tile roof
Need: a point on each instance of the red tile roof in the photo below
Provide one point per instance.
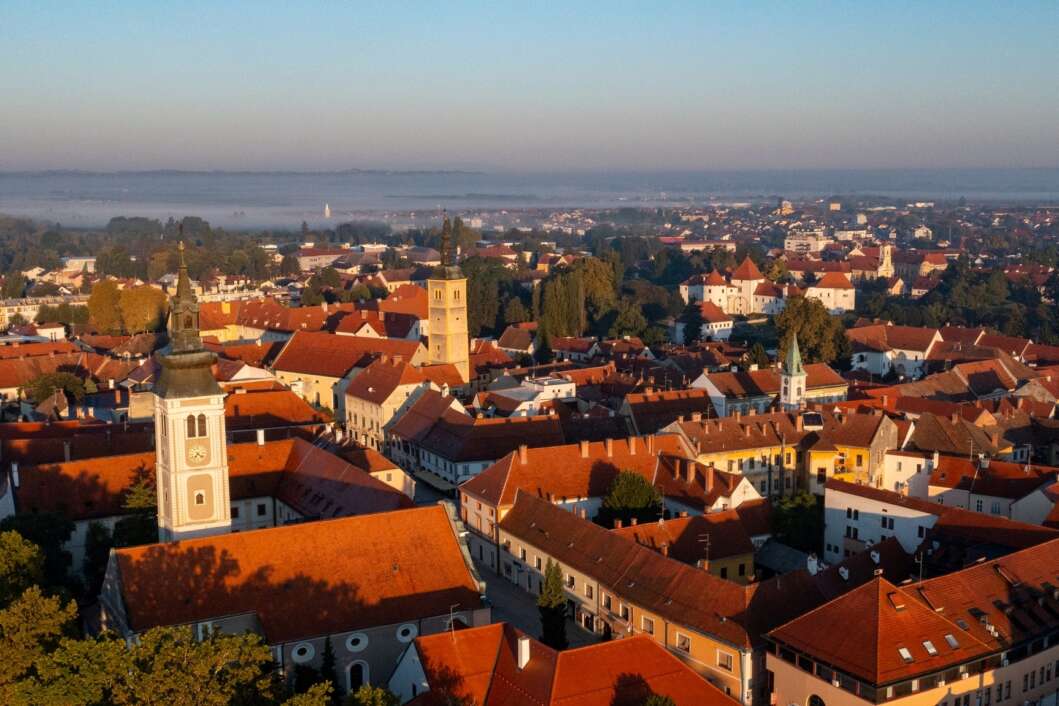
(328, 355)
(747, 270)
(304, 580)
(834, 280)
(480, 665)
(264, 409)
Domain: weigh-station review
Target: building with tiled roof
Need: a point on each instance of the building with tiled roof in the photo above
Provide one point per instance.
(377, 395)
(834, 291)
(758, 389)
(379, 324)
(648, 412)
(519, 339)
(497, 664)
(717, 542)
(278, 412)
(983, 629)
(317, 365)
(371, 584)
(880, 349)
(574, 348)
(858, 516)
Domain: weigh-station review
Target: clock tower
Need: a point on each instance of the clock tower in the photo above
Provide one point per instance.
(447, 297)
(191, 466)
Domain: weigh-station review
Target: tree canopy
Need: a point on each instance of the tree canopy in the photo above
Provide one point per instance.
(630, 495)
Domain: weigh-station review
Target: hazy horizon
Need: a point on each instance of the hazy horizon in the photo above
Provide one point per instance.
(677, 86)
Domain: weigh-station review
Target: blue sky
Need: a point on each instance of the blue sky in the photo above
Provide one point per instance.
(528, 85)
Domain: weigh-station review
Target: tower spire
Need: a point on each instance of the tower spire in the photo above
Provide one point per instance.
(793, 362)
(446, 242)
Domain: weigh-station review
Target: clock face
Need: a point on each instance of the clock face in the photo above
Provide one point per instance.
(197, 454)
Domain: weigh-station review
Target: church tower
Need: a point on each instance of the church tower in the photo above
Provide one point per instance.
(447, 293)
(792, 378)
(191, 467)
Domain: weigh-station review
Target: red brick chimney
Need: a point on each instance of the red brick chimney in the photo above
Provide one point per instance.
(523, 453)
(608, 444)
(584, 448)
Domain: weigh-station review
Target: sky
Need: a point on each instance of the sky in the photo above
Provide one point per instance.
(527, 86)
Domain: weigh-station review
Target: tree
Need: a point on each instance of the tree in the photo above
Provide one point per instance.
(103, 306)
(757, 355)
(659, 700)
(50, 532)
(44, 386)
(515, 312)
(327, 663)
(143, 308)
(21, 566)
(140, 525)
(798, 521)
(368, 695)
(552, 606)
(629, 321)
(14, 285)
(289, 266)
(630, 495)
(821, 337)
(693, 321)
(321, 694)
(30, 628)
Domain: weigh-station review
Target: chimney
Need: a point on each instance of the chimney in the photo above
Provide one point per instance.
(260, 437)
(523, 651)
(746, 430)
(696, 416)
(954, 417)
(885, 401)
(680, 418)
(682, 513)
(14, 474)
(994, 438)
(689, 471)
(66, 450)
(632, 445)
(584, 448)
(323, 306)
(665, 548)
(523, 453)
(633, 522)
(737, 414)
(608, 444)
(650, 443)
(799, 423)
(617, 524)
(812, 564)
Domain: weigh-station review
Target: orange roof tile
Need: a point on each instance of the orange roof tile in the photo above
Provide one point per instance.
(304, 580)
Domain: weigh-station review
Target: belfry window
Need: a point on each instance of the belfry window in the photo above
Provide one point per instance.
(196, 426)
(200, 498)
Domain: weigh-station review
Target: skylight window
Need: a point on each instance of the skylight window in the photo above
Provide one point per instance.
(951, 639)
(931, 649)
(905, 654)
(962, 623)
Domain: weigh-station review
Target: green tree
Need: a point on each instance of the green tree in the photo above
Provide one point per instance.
(515, 312)
(50, 532)
(693, 321)
(14, 285)
(103, 306)
(289, 266)
(629, 321)
(630, 495)
(551, 603)
(41, 388)
(30, 627)
(757, 355)
(98, 543)
(659, 700)
(368, 695)
(140, 525)
(821, 337)
(321, 694)
(327, 663)
(21, 566)
(798, 521)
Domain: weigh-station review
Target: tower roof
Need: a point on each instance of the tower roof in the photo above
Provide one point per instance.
(183, 289)
(747, 271)
(792, 364)
(448, 268)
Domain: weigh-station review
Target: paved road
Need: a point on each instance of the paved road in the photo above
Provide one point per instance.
(513, 605)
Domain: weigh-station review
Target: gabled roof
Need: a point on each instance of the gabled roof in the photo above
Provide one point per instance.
(747, 270)
(833, 280)
(581, 470)
(327, 355)
(304, 580)
(382, 378)
(683, 538)
(480, 666)
(650, 411)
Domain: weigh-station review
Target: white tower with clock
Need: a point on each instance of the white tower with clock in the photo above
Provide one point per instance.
(192, 457)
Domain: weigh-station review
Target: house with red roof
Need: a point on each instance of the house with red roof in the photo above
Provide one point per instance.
(498, 664)
(834, 291)
(369, 584)
(377, 395)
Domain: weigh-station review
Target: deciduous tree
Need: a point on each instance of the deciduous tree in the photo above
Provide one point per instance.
(552, 606)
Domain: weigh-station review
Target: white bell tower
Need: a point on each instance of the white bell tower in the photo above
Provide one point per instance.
(192, 456)
(792, 378)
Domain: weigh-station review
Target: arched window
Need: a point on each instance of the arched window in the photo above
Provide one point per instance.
(358, 675)
(200, 498)
(189, 322)
(191, 426)
(202, 425)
